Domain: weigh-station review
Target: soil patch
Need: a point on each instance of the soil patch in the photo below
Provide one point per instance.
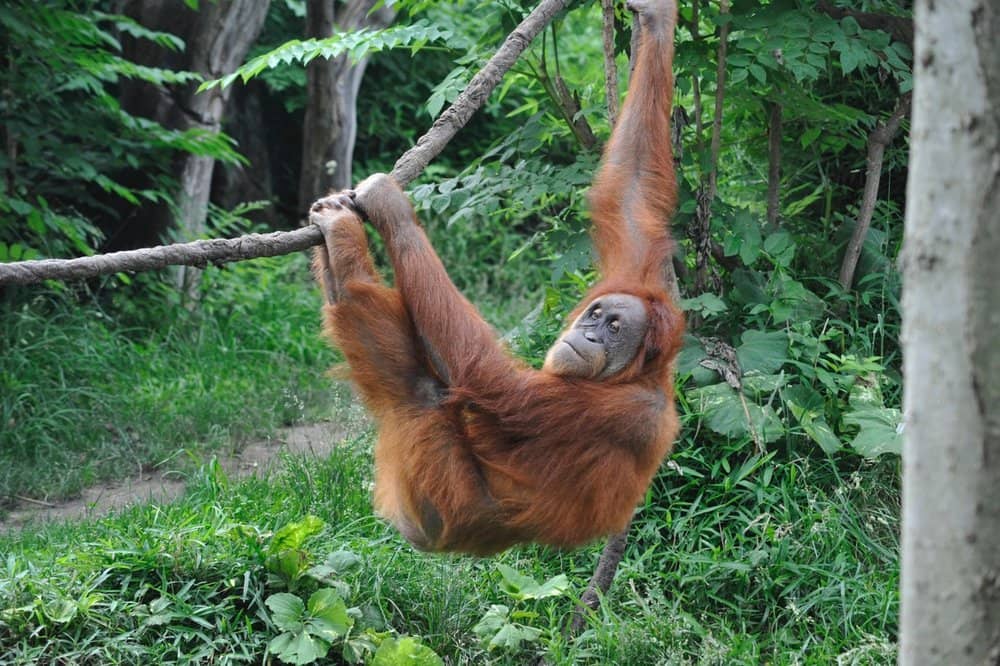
(165, 485)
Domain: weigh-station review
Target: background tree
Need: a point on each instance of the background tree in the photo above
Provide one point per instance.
(951, 474)
(330, 124)
(217, 35)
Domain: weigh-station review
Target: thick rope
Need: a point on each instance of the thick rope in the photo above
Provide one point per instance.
(219, 251)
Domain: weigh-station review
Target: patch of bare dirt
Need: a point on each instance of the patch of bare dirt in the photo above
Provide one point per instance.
(164, 485)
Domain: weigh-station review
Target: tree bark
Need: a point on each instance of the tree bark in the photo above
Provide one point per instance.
(951, 314)
(222, 36)
(330, 123)
(878, 140)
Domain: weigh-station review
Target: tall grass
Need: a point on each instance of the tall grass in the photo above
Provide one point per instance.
(85, 397)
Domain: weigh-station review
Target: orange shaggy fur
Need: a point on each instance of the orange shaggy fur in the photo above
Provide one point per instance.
(477, 451)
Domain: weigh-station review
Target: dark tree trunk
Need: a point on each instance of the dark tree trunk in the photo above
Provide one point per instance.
(330, 124)
(217, 38)
(878, 140)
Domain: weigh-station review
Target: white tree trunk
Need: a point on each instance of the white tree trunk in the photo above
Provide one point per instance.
(951, 320)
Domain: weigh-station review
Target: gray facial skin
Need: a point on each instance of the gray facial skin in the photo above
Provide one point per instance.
(602, 341)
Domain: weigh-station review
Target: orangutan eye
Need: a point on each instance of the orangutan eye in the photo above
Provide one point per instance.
(596, 314)
(615, 326)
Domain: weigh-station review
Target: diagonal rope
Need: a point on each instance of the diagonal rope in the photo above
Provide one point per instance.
(221, 250)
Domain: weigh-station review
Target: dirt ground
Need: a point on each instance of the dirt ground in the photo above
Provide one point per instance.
(163, 486)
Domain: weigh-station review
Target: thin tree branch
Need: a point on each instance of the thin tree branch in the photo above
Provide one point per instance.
(454, 117)
(720, 96)
(610, 66)
(899, 27)
(701, 230)
(569, 106)
(774, 131)
(408, 167)
(878, 140)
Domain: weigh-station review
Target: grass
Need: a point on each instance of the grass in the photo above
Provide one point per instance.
(795, 564)
(84, 397)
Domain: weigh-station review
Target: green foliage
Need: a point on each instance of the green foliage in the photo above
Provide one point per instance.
(309, 629)
(355, 45)
(405, 651)
(510, 629)
(69, 143)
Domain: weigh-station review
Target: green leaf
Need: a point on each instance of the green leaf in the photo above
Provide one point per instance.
(723, 413)
(328, 615)
(293, 535)
(780, 248)
(821, 433)
(521, 587)
(492, 621)
(405, 651)
(793, 301)
(342, 561)
(806, 405)
(707, 304)
(60, 611)
(512, 635)
(809, 136)
(880, 431)
(762, 351)
(287, 611)
(298, 648)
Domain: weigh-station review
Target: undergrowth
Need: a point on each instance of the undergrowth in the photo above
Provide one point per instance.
(792, 564)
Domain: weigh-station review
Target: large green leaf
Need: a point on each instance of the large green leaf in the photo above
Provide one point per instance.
(723, 413)
(512, 635)
(287, 611)
(298, 648)
(879, 433)
(520, 587)
(405, 651)
(294, 534)
(806, 405)
(763, 352)
(328, 616)
(492, 621)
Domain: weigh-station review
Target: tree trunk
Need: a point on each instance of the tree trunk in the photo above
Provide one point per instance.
(330, 123)
(219, 42)
(217, 38)
(951, 313)
(878, 140)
